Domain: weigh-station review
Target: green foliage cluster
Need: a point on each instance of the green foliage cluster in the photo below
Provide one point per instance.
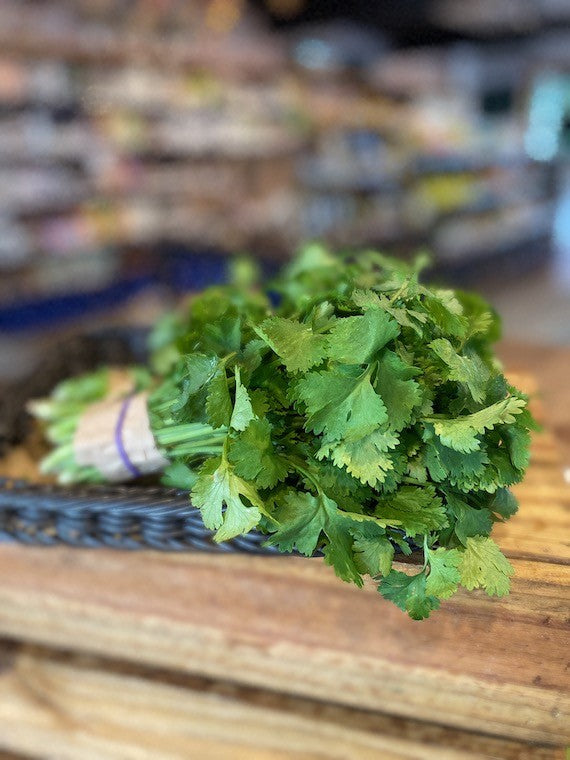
(366, 413)
(363, 415)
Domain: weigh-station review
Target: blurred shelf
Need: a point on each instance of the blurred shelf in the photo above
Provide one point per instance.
(227, 56)
(174, 134)
(460, 163)
(488, 18)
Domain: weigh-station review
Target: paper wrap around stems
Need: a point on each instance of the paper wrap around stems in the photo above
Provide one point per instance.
(115, 437)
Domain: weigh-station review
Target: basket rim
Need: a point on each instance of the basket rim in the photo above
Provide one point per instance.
(119, 516)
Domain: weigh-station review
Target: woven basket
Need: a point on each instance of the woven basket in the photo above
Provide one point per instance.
(121, 517)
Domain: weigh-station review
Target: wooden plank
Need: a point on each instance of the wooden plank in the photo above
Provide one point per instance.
(86, 709)
(287, 624)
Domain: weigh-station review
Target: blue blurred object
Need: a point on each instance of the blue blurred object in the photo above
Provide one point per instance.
(177, 267)
(58, 309)
(182, 269)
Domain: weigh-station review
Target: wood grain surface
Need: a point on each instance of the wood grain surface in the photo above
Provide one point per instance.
(287, 625)
(84, 707)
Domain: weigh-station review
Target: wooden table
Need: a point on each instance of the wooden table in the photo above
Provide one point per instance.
(144, 655)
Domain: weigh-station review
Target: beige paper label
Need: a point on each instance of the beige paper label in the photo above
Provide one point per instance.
(96, 439)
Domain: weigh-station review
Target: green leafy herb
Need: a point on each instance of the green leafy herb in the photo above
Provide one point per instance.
(218, 486)
(444, 577)
(409, 593)
(363, 417)
(341, 404)
(354, 340)
(484, 566)
(295, 343)
(461, 433)
(242, 413)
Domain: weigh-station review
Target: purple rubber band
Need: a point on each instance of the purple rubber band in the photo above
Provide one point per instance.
(119, 438)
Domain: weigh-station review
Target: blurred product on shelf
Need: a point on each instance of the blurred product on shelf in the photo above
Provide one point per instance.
(139, 125)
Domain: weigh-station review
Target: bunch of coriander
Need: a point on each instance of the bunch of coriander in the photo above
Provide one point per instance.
(366, 413)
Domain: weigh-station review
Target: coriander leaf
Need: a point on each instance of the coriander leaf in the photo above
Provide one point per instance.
(518, 443)
(365, 459)
(444, 576)
(310, 257)
(460, 433)
(464, 369)
(274, 385)
(200, 369)
(295, 343)
(506, 472)
(341, 405)
(354, 340)
(373, 552)
(399, 541)
(368, 299)
(402, 285)
(446, 312)
(209, 307)
(416, 469)
(259, 403)
(254, 457)
(321, 316)
(394, 476)
(224, 335)
(409, 593)
(437, 471)
(399, 392)
(504, 503)
(483, 322)
(483, 565)
(405, 317)
(469, 521)
(448, 299)
(339, 553)
(340, 486)
(242, 413)
(217, 485)
(416, 508)
(179, 475)
(302, 520)
(463, 470)
(251, 356)
(218, 401)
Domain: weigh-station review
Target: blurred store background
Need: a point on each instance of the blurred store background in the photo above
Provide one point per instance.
(144, 141)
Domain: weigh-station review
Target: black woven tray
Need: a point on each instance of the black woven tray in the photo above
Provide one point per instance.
(121, 517)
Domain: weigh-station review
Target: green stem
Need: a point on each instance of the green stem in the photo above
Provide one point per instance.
(400, 290)
(188, 440)
(189, 451)
(189, 432)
